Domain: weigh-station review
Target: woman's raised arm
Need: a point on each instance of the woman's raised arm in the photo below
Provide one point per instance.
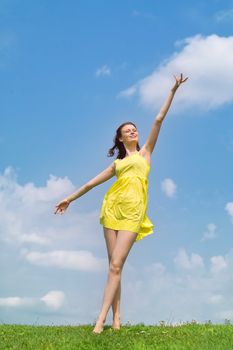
(100, 178)
(154, 133)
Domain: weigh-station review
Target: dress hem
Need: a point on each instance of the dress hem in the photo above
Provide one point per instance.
(141, 232)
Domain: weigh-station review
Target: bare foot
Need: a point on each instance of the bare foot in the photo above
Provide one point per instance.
(116, 324)
(99, 327)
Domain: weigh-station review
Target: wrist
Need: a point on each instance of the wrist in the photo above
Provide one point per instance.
(174, 88)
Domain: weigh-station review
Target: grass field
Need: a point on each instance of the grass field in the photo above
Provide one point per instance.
(186, 336)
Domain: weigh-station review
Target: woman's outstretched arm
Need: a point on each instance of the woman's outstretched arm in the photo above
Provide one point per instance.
(154, 133)
(100, 178)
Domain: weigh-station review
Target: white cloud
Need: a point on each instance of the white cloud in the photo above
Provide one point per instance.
(183, 261)
(128, 92)
(207, 62)
(27, 214)
(102, 71)
(168, 187)
(54, 299)
(14, 301)
(218, 263)
(156, 268)
(229, 209)
(74, 260)
(24, 209)
(210, 233)
(55, 188)
(29, 193)
(191, 292)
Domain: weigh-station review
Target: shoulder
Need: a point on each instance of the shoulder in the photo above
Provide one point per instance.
(144, 152)
(113, 165)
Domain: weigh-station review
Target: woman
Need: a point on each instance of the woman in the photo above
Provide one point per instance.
(123, 212)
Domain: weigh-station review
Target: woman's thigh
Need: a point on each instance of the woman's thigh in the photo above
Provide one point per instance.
(110, 236)
(124, 242)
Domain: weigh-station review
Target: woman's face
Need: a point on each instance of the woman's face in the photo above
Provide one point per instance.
(129, 134)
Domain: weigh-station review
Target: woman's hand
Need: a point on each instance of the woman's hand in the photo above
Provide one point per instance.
(62, 206)
(179, 81)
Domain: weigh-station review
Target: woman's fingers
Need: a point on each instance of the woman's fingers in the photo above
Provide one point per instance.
(60, 208)
(180, 80)
(57, 210)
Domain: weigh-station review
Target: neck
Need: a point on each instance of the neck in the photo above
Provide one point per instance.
(130, 151)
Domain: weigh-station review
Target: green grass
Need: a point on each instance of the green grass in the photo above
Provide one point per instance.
(187, 336)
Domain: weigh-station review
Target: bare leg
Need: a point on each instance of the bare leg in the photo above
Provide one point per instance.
(116, 308)
(124, 242)
(110, 238)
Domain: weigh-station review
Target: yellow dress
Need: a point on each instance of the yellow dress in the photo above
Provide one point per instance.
(125, 203)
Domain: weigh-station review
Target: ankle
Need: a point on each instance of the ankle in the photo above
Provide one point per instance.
(116, 317)
(100, 320)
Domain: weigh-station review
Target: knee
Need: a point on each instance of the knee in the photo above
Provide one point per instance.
(115, 267)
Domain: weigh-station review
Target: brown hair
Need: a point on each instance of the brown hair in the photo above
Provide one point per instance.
(118, 144)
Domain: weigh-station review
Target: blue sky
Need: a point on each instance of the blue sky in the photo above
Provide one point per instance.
(71, 73)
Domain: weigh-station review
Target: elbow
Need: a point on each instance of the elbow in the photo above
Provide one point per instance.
(88, 186)
(159, 120)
